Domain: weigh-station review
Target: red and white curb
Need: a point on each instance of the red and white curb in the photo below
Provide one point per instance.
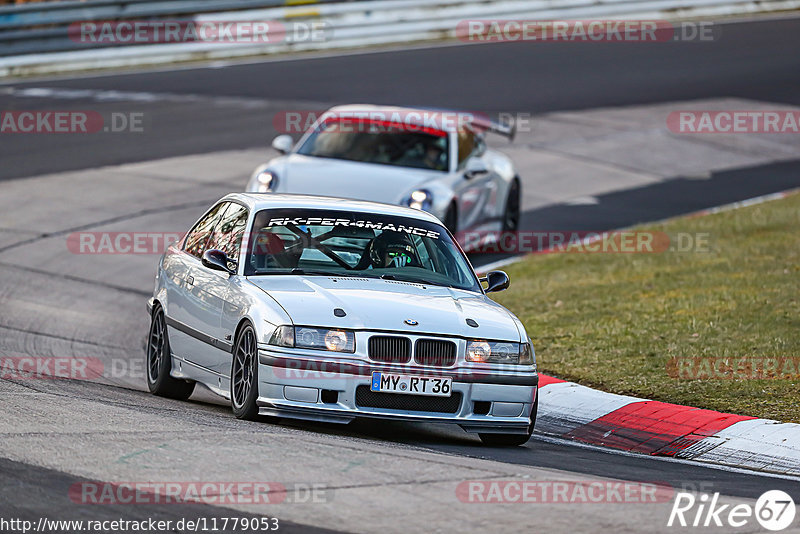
(571, 411)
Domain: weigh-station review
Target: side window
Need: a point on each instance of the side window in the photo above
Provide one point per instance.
(198, 236)
(229, 232)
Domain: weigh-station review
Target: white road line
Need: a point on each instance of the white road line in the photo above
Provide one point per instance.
(150, 97)
(694, 463)
(582, 201)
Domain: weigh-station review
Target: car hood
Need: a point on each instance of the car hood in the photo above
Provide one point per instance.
(386, 304)
(338, 178)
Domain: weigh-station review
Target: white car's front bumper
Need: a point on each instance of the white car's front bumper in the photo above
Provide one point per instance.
(291, 385)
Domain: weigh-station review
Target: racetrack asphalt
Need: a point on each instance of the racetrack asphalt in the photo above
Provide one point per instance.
(234, 105)
(55, 304)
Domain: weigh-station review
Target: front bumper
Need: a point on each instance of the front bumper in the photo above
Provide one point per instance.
(325, 390)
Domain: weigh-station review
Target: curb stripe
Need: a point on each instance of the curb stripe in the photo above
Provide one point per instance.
(652, 427)
(578, 413)
(565, 406)
(545, 380)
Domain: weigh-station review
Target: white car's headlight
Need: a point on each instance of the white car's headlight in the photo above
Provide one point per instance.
(305, 337)
(421, 199)
(481, 351)
(266, 181)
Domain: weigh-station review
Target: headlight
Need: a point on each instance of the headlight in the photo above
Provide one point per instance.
(499, 352)
(266, 181)
(304, 337)
(421, 199)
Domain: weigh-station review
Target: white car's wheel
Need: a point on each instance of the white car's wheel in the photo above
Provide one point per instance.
(511, 217)
(451, 218)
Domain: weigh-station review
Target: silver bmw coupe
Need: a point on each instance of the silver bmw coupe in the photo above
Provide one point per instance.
(329, 309)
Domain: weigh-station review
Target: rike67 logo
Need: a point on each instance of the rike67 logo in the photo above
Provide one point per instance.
(774, 510)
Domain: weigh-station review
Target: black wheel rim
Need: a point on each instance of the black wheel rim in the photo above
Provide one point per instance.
(243, 368)
(512, 209)
(155, 347)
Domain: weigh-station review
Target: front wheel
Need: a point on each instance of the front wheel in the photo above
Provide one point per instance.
(513, 440)
(159, 362)
(511, 216)
(244, 375)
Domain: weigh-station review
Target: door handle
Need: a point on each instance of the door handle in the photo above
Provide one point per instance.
(190, 280)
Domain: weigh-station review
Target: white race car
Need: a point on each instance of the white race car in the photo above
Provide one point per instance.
(434, 160)
(330, 309)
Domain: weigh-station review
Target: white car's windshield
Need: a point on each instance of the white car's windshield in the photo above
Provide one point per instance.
(341, 243)
(382, 142)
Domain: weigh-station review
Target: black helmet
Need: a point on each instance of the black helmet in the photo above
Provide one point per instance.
(392, 249)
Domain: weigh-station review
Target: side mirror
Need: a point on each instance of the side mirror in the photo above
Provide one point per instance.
(217, 260)
(475, 167)
(283, 143)
(496, 281)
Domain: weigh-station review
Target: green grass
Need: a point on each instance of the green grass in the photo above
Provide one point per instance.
(614, 321)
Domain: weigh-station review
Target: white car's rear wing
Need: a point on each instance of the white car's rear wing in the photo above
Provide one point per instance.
(508, 129)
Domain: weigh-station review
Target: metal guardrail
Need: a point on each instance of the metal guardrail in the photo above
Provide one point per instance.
(43, 26)
(347, 24)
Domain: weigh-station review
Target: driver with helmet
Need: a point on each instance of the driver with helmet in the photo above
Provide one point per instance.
(392, 249)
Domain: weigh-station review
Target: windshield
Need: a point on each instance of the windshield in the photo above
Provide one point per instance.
(341, 243)
(383, 142)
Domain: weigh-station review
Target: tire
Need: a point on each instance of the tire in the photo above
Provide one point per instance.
(511, 216)
(451, 219)
(159, 362)
(244, 375)
(512, 440)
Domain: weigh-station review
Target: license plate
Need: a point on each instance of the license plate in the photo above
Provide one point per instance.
(434, 386)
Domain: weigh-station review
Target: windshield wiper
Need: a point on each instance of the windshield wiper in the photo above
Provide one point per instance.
(413, 280)
(314, 272)
(311, 272)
